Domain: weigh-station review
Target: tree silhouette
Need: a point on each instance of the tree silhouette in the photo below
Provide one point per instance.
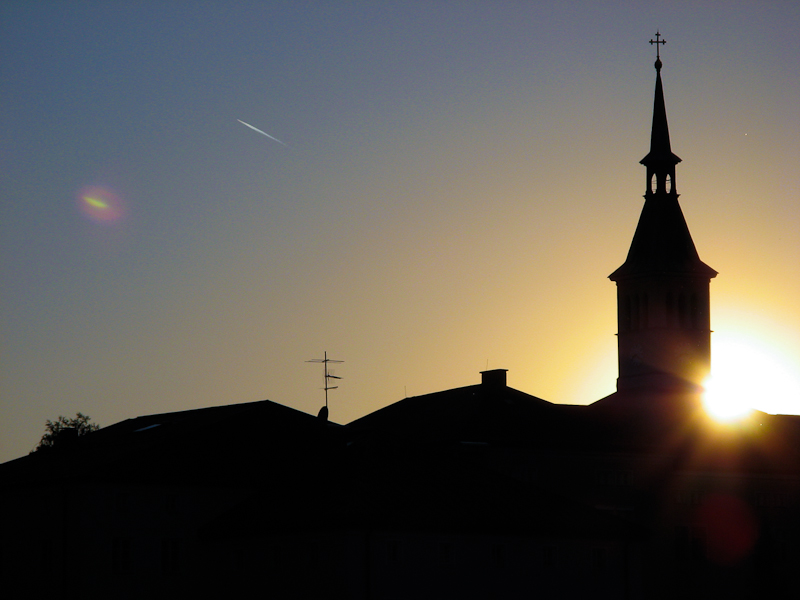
(63, 429)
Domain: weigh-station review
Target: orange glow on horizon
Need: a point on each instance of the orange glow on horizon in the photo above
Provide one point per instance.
(746, 374)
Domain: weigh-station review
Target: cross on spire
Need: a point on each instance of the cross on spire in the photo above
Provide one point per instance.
(658, 42)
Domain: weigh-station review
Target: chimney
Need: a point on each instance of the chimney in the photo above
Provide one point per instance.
(495, 377)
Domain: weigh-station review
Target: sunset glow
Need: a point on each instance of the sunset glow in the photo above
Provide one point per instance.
(746, 374)
(458, 180)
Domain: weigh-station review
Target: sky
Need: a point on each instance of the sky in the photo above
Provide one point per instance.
(453, 183)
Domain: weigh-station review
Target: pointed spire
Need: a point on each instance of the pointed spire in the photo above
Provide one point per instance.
(660, 151)
(662, 242)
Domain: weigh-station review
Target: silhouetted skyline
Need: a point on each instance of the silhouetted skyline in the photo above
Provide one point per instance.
(457, 181)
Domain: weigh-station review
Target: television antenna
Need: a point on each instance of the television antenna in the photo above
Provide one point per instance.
(327, 375)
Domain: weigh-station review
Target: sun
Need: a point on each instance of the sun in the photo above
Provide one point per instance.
(747, 374)
(724, 400)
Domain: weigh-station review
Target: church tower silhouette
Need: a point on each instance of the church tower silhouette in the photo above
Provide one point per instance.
(664, 333)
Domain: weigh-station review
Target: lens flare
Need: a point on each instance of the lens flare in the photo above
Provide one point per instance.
(100, 204)
(730, 526)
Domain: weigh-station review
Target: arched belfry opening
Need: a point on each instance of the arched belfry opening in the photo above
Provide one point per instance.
(664, 332)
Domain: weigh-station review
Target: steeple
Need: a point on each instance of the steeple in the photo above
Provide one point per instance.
(660, 158)
(660, 154)
(662, 288)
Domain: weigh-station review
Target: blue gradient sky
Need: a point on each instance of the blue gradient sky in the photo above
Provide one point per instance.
(458, 181)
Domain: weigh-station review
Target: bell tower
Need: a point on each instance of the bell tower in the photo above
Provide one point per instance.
(664, 333)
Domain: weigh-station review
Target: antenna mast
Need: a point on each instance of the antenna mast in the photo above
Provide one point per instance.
(327, 376)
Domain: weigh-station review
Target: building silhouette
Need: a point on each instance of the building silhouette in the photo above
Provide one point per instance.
(664, 328)
(481, 491)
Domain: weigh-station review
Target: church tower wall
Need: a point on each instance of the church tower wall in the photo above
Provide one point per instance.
(663, 330)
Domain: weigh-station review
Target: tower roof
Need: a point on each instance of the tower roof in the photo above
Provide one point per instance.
(662, 243)
(660, 151)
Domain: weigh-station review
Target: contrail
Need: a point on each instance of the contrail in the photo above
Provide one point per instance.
(261, 132)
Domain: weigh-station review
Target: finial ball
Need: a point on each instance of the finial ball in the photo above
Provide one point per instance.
(658, 64)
